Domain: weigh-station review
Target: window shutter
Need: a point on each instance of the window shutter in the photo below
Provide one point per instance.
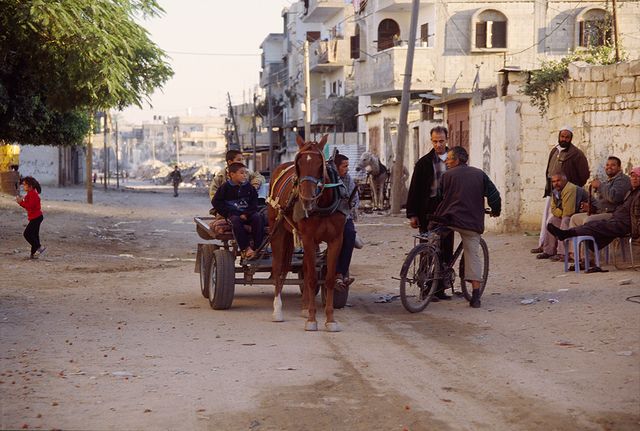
(581, 36)
(355, 46)
(481, 35)
(499, 34)
(424, 33)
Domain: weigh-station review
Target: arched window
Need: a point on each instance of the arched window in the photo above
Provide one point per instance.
(594, 27)
(388, 34)
(489, 30)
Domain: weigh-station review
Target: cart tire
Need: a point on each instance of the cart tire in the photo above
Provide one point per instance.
(340, 298)
(301, 277)
(221, 280)
(206, 255)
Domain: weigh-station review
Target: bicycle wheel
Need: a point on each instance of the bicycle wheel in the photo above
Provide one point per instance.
(484, 257)
(419, 277)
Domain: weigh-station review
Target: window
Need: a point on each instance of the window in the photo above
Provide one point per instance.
(355, 44)
(489, 30)
(424, 34)
(388, 34)
(594, 28)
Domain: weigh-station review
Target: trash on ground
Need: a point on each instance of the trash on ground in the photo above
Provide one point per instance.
(625, 353)
(553, 301)
(386, 298)
(528, 301)
(625, 281)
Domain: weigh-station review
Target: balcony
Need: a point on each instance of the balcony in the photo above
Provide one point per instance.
(394, 6)
(328, 55)
(383, 73)
(320, 10)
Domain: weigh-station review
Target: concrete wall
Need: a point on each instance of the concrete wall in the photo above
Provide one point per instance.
(511, 141)
(40, 162)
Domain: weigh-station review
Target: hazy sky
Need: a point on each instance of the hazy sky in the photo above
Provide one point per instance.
(228, 28)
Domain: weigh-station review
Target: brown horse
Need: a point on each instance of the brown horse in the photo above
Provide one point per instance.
(296, 193)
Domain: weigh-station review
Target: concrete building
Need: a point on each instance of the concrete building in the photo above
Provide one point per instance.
(463, 44)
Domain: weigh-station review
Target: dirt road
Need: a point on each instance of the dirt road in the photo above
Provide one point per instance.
(109, 331)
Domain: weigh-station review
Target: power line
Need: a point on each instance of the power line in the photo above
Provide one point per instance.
(215, 54)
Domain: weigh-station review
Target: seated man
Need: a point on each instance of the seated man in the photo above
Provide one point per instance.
(625, 219)
(609, 194)
(349, 235)
(463, 191)
(237, 201)
(234, 156)
(565, 202)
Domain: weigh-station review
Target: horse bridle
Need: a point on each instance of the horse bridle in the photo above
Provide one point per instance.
(318, 182)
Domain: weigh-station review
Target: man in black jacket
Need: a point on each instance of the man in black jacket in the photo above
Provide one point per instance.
(424, 191)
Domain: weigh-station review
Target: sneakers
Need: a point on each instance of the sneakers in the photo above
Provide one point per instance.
(543, 256)
(40, 251)
(475, 299)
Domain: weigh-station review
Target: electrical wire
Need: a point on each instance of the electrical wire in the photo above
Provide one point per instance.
(215, 54)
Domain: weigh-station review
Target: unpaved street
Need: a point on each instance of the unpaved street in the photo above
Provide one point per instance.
(110, 331)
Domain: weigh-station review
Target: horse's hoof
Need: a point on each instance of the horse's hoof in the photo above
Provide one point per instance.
(332, 327)
(305, 313)
(310, 326)
(277, 317)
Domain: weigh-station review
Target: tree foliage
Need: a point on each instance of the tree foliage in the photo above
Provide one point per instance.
(545, 80)
(59, 58)
(344, 113)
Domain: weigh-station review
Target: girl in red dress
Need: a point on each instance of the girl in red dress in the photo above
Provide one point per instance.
(31, 203)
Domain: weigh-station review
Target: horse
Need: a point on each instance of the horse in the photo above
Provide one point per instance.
(377, 175)
(300, 202)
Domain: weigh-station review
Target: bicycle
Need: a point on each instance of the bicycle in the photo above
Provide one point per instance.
(423, 275)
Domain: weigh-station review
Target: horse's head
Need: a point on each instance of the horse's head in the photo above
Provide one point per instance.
(311, 171)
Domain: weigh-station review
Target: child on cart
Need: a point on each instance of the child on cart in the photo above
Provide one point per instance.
(237, 201)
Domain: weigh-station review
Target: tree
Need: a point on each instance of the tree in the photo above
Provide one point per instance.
(72, 56)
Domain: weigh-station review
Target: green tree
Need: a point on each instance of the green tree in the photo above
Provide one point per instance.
(59, 58)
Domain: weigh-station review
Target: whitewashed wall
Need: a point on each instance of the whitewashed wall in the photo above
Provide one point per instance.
(40, 162)
(511, 141)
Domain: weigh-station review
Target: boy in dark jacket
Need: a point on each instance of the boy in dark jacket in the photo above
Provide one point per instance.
(237, 201)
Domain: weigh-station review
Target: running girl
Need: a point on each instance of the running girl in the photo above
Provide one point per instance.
(31, 202)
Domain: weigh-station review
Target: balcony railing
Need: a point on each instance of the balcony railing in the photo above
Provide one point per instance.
(328, 54)
(320, 10)
(383, 72)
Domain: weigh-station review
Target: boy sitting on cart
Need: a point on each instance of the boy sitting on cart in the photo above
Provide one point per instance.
(237, 201)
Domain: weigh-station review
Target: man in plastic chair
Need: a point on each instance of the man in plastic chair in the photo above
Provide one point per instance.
(624, 221)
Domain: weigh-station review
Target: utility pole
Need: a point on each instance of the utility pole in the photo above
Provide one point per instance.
(89, 160)
(105, 157)
(176, 134)
(117, 161)
(615, 29)
(233, 120)
(307, 94)
(270, 121)
(253, 134)
(398, 166)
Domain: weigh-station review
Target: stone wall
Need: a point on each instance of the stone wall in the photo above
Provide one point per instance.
(511, 141)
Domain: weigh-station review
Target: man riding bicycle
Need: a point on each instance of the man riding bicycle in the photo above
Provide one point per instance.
(463, 191)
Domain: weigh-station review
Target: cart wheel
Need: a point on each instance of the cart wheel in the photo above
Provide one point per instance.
(221, 280)
(206, 254)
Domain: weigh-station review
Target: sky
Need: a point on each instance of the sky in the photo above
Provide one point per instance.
(232, 31)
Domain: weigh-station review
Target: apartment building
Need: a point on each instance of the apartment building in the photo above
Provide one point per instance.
(462, 46)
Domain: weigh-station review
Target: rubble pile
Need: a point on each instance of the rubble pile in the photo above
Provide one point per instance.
(152, 170)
